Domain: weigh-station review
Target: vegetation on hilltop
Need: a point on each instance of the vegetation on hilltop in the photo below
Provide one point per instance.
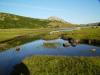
(14, 21)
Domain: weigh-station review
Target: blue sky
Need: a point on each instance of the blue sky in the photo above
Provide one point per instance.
(74, 11)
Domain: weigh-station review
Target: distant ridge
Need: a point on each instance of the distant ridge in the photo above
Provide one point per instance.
(8, 20)
(91, 24)
(94, 24)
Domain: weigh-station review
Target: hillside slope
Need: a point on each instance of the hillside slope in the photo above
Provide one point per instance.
(14, 21)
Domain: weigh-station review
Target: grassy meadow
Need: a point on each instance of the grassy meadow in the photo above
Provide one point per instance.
(13, 37)
(11, 33)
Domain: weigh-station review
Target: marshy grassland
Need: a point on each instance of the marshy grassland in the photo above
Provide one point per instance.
(63, 65)
(84, 33)
(54, 65)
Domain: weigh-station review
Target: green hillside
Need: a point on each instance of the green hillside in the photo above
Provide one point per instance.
(14, 21)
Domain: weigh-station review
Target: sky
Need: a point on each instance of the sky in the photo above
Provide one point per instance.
(74, 11)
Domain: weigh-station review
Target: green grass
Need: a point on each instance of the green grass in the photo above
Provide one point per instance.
(85, 33)
(11, 33)
(60, 65)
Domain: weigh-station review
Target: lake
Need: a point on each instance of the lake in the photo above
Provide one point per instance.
(11, 57)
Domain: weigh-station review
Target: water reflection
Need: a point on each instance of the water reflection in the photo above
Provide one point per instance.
(71, 42)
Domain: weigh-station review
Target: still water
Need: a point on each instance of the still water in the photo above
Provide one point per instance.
(11, 57)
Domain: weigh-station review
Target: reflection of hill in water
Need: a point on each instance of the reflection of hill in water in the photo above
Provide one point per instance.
(51, 45)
